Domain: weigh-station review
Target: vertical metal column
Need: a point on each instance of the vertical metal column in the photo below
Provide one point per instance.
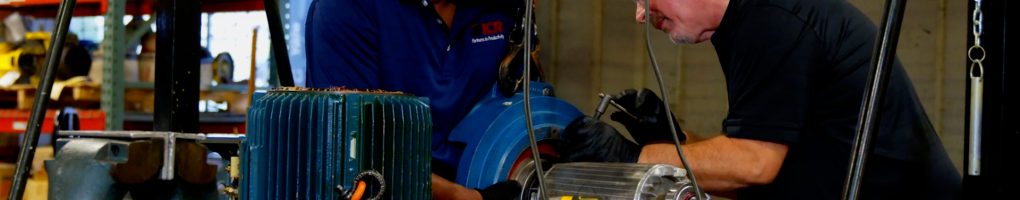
(883, 58)
(113, 65)
(1001, 102)
(40, 104)
(177, 65)
(279, 43)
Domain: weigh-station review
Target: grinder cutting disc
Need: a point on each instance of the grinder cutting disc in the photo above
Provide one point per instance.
(523, 170)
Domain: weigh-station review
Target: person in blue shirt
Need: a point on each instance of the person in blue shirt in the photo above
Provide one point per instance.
(446, 50)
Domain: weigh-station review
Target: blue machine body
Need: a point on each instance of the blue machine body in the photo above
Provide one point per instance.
(495, 135)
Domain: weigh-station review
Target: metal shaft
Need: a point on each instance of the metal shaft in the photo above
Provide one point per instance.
(42, 93)
(603, 103)
(539, 172)
(882, 61)
(278, 43)
(974, 133)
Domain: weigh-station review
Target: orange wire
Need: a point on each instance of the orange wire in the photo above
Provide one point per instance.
(359, 191)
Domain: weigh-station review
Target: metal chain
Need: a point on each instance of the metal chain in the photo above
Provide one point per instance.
(976, 53)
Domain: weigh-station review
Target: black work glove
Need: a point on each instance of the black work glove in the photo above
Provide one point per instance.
(650, 124)
(590, 140)
(507, 190)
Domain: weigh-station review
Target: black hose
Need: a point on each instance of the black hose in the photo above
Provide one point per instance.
(665, 100)
(527, 98)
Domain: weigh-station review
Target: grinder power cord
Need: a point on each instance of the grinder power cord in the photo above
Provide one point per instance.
(533, 141)
(662, 89)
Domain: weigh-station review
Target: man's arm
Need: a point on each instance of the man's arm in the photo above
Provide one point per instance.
(443, 189)
(723, 164)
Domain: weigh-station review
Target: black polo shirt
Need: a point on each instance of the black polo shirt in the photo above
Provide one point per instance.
(795, 73)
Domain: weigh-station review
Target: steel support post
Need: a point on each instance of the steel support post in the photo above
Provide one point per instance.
(281, 56)
(882, 62)
(41, 103)
(177, 66)
(113, 65)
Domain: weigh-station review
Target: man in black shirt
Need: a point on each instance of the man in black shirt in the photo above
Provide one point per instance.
(795, 73)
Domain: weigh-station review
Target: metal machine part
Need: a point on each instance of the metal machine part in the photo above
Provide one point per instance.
(617, 181)
(606, 100)
(81, 170)
(511, 68)
(523, 170)
(495, 136)
(169, 140)
(111, 165)
(307, 143)
(603, 103)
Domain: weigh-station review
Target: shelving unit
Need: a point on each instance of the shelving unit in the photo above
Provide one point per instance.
(48, 8)
(113, 94)
(114, 47)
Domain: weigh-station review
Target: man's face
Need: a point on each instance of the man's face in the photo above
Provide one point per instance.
(683, 20)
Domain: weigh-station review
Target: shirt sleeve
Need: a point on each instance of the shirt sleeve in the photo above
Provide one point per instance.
(342, 44)
(768, 74)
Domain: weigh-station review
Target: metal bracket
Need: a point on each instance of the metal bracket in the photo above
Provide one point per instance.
(169, 142)
(169, 148)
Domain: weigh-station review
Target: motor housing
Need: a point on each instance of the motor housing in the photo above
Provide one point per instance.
(311, 144)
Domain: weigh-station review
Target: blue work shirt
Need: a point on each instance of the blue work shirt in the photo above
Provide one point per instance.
(404, 45)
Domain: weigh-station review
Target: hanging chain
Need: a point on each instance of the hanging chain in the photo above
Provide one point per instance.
(976, 72)
(976, 53)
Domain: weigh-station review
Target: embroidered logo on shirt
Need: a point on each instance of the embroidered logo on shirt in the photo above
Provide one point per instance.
(487, 31)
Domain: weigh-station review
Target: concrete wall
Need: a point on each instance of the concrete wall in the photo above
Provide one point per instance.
(592, 46)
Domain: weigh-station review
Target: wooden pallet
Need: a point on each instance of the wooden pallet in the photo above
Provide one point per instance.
(21, 97)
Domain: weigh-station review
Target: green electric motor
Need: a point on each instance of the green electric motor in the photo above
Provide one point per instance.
(319, 143)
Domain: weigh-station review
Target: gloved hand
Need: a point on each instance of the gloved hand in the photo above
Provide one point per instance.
(590, 140)
(507, 190)
(651, 123)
